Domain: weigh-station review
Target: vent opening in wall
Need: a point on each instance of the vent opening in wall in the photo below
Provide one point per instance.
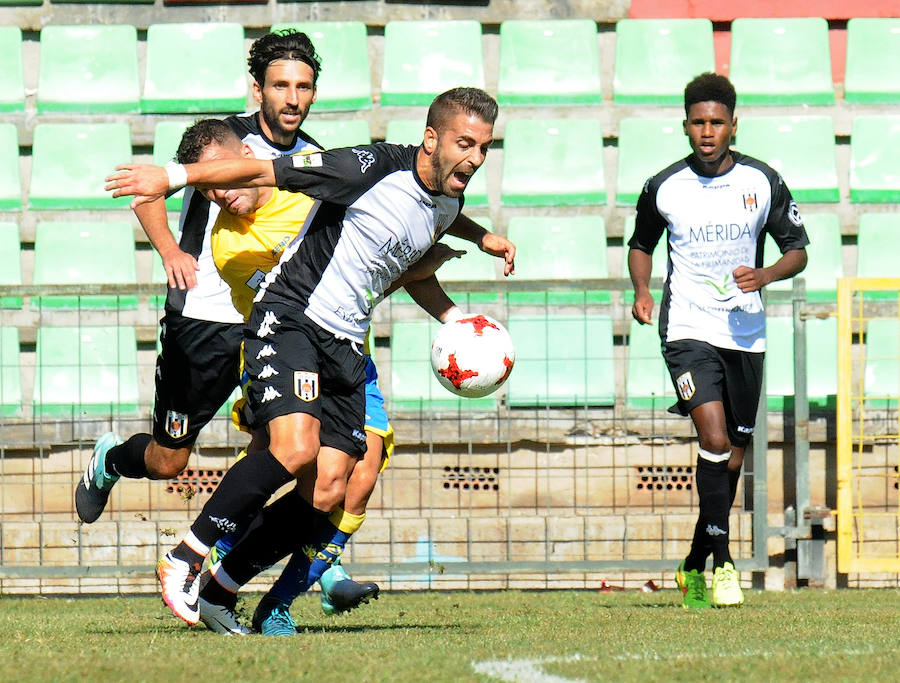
(664, 478)
(467, 478)
(201, 481)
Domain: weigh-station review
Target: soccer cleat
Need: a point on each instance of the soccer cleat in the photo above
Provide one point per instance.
(273, 618)
(220, 619)
(726, 587)
(340, 593)
(180, 583)
(93, 490)
(693, 588)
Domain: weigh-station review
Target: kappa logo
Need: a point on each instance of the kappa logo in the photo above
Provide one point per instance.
(713, 530)
(358, 435)
(176, 424)
(224, 524)
(745, 430)
(265, 327)
(306, 385)
(266, 352)
(366, 159)
(794, 214)
(685, 384)
(267, 371)
(270, 394)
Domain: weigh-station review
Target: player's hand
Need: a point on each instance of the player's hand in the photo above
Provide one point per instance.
(144, 182)
(431, 260)
(642, 308)
(181, 268)
(497, 245)
(750, 279)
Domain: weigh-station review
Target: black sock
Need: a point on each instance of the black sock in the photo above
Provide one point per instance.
(127, 459)
(213, 592)
(277, 532)
(714, 492)
(696, 558)
(241, 494)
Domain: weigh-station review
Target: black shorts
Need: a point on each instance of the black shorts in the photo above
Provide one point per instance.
(196, 371)
(295, 366)
(702, 373)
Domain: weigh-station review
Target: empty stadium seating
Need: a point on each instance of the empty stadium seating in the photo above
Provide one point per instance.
(871, 44)
(10, 373)
(561, 360)
(646, 146)
(881, 379)
(565, 154)
(88, 69)
(821, 362)
(12, 84)
(656, 57)
(466, 273)
(166, 138)
(825, 263)
(10, 184)
(425, 58)
(647, 382)
(800, 148)
(332, 134)
(195, 67)
(86, 371)
(10, 264)
(876, 256)
(73, 252)
(781, 61)
(874, 155)
(548, 62)
(70, 162)
(344, 82)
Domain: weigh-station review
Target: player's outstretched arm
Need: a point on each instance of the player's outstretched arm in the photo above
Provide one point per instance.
(181, 267)
(489, 242)
(751, 279)
(146, 182)
(640, 266)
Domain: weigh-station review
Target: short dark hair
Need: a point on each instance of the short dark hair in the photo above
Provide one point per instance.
(288, 44)
(200, 134)
(473, 101)
(710, 87)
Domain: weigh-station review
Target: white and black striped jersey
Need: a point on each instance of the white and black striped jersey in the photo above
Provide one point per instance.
(211, 298)
(373, 218)
(715, 225)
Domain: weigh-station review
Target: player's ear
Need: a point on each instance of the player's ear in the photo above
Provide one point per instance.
(247, 152)
(684, 126)
(257, 92)
(430, 140)
(734, 127)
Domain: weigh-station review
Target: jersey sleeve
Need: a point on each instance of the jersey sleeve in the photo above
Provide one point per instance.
(340, 176)
(784, 222)
(649, 224)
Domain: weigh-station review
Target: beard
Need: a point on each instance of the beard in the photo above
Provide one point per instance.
(270, 114)
(440, 174)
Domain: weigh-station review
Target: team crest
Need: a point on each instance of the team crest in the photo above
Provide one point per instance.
(685, 384)
(304, 160)
(176, 424)
(306, 385)
(750, 203)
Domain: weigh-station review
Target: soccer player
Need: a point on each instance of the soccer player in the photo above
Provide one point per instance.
(379, 208)
(717, 206)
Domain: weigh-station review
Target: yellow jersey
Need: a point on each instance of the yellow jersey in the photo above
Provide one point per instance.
(245, 248)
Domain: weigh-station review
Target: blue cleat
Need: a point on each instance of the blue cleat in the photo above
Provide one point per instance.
(341, 594)
(273, 618)
(93, 490)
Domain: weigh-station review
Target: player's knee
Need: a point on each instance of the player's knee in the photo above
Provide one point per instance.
(166, 463)
(295, 454)
(329, 493)
(715, 443)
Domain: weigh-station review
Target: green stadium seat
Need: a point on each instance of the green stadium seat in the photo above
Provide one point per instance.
(10, 185)
(424, 58)
(11, 263)
(413, 384)
(86, 371)
(821, 363)
(410, 132)
(463, 275)
(74, 252)
(345, 82)
(800, 148)
(10, 3)
(825, 260)
(12, 82)
(332, 134)
(548, 62)
(781, 61)
(881, 378)
(646, 146)
(878, 236)
(659, 262)
(875, 159)
(166, 138)
(568, 153)
(559, 248)
(648, 384)
(871, 44)
(562, 360)
(195, 68)
(70, 162)
(89, 70)
(656, 57)
(10, 373)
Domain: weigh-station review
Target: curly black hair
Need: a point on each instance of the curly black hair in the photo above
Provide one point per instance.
(710, 87)
(287, 44)
(200, 134)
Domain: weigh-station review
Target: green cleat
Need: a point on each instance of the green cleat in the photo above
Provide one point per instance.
(95, 485)
(726, 587)
(693, 587)
(341, 594)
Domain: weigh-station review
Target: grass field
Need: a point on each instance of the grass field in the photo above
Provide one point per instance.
(493, 636)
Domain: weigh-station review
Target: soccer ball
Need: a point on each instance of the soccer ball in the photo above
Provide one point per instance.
(472, 356)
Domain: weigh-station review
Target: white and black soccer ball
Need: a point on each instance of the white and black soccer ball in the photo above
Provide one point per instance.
(472, 356)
